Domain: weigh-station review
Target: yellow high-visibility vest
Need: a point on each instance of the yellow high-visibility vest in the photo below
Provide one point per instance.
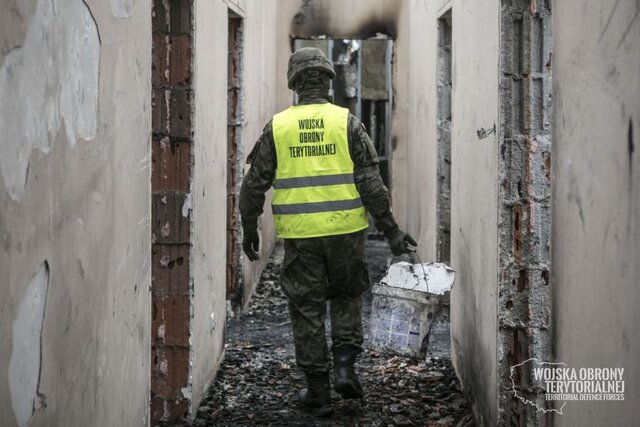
(315, 194)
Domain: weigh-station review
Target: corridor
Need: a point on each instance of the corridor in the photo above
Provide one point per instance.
(506, 133)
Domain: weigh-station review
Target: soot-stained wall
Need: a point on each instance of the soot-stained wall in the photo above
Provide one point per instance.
(596, 199)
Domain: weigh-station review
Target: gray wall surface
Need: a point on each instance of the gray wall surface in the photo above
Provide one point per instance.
(75, 217)
(596, 199)
(474, 194)
(209, 192)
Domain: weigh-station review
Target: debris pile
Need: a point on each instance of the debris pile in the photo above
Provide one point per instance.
(258, 380)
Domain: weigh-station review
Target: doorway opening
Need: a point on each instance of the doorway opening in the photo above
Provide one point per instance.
(234, 158)
(443, 128)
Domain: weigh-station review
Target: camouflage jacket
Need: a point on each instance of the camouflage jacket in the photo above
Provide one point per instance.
(261, 174)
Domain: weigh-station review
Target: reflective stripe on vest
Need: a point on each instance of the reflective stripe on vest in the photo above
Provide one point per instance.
(315, 194)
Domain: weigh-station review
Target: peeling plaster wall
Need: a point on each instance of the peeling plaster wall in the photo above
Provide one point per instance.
(14, 21)
(48, 86)
(84, 209)
(596, 198)
(474, 199)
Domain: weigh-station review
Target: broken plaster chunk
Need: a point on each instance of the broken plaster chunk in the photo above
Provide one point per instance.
(434, 278)
(165, 230)
(165, 260)
(186, 206)
(25, 362)
(161, 330)
(186, 393)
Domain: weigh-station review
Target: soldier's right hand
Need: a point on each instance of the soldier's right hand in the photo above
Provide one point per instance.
(400, 242)
(251, 244)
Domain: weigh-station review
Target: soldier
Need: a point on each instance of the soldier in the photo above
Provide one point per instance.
(324, 170)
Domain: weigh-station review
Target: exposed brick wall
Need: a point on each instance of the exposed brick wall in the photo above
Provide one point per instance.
(234, 167)
(171, 218)
(524, 206)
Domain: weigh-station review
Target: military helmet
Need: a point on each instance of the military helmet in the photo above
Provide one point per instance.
(308, 58)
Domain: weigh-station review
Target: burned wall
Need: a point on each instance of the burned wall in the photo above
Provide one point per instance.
(596, 198)
(474, 201)
(75, 219)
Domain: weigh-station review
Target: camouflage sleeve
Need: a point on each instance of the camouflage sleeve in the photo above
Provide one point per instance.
(373, 192)
(258, 179)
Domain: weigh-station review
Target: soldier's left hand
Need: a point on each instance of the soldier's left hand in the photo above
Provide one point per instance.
(400, 242)
(251, 244)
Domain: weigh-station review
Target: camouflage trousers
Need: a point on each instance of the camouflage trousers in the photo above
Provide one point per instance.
(317, 270)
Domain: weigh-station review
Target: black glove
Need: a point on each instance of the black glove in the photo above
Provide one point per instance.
(399, 242)
(251, 244)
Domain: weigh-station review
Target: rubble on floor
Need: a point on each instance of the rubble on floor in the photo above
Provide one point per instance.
(258, 380)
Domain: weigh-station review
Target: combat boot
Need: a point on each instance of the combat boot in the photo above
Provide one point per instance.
(316, 398)
(345, 379)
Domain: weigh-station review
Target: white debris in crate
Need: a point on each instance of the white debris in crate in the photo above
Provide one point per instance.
(404, 306)
(403, 275)
(400, 320)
